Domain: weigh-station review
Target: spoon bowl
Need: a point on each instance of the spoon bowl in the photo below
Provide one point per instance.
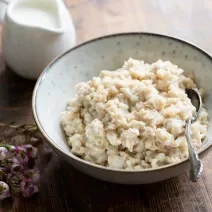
(196, 100)
(196, 166)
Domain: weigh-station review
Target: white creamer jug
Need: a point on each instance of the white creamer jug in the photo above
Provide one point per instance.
(34, 33)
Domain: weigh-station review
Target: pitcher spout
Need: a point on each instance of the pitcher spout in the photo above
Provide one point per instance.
(42, 14)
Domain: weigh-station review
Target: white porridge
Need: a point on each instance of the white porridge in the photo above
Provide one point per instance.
(133, 118)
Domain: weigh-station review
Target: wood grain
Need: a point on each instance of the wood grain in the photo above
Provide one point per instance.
(65, 189)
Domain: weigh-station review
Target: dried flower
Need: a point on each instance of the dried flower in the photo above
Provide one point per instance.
(17, 168)
(4, 190)
(31, 151)
(28, 188)
(2, 173)
(14, 183)
(9, 162)
(3, 153)
(32, 175)
(22, 155)
(11, 152)
(17, 176)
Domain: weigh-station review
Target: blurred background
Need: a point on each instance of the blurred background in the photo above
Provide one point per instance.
(188, 19)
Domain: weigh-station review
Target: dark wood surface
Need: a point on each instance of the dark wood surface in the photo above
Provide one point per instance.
(62, 187)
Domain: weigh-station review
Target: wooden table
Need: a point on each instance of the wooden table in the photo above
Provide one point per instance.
(65, 189)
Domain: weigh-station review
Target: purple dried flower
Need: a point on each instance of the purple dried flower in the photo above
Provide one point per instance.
(32, 175)
(3, 153)
(14, 162)
(14, 183)
(4, 190)
(28, 188)
(32, 151)
(22, 155)
(17, 168)
(11, 152)
(11, 148)
(3, 173)
(9, 162)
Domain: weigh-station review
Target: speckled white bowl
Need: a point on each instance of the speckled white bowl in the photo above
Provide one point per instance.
(56, 86)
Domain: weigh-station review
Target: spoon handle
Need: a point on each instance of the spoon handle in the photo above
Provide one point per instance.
(196, 166)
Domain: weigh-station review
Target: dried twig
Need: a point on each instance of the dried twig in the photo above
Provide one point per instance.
(21, 128)
(29, 131)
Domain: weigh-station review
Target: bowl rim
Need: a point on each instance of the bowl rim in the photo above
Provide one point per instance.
(69, 155)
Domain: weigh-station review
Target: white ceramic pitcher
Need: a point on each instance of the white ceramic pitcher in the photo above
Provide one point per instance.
(34, 33)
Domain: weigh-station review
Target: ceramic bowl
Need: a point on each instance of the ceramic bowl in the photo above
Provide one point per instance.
(56, 86)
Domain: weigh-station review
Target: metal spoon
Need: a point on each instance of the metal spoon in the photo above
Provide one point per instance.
(196, 166)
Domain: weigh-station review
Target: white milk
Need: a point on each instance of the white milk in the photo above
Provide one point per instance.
(35, 16)
(34, 33)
